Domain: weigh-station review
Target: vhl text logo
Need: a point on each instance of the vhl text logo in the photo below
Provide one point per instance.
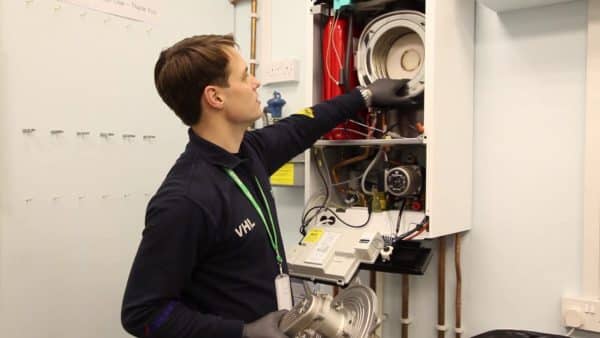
(244, 228)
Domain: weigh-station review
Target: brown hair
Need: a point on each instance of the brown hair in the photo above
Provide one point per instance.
(185, 69)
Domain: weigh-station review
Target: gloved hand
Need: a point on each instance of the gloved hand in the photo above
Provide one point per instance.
(266, 326)
(389, 93)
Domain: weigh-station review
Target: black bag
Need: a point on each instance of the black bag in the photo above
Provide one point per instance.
(516, 334)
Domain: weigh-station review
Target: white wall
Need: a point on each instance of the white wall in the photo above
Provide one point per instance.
(524, 251)
(72, 208)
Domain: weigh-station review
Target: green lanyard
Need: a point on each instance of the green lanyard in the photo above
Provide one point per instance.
(269, 226)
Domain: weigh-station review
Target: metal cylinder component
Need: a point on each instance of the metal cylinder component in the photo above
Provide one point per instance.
(351, 314)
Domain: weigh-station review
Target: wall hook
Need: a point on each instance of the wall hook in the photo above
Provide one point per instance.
(28, 130)
(56, 132)
(106, 135)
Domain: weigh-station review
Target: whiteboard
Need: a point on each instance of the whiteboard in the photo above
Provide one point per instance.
(72, 201)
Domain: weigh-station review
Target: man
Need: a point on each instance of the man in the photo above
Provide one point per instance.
(211, 248)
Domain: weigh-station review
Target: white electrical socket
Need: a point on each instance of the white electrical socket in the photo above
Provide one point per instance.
(580, 313)
(280, 71)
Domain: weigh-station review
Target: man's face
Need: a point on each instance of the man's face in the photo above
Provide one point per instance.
(241, 103)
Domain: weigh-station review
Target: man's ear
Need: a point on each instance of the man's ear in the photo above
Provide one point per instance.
(213, 97)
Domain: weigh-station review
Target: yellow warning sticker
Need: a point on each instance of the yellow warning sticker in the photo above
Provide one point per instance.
(306, 112)
(313, 236)
(284, 175)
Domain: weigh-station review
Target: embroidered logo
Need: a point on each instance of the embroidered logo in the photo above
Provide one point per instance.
(306, 112)
(245, 227)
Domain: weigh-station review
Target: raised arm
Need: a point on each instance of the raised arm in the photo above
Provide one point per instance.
(278, 143)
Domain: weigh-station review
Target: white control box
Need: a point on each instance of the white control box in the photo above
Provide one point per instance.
(332, 252)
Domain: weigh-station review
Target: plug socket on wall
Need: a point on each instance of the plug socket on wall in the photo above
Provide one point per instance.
(281, 71)
(580, 313)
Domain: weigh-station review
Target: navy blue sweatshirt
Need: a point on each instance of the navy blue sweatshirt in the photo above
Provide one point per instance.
(205, 265)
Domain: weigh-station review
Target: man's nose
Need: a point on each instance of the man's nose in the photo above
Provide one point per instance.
(256, 83)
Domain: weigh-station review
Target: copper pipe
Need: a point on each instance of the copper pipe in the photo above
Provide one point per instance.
(253, 20)
(458, 302)
(349, 161)
(405, 286)
(374, 124)
(420, 128)
(336, 179)
(442, 288)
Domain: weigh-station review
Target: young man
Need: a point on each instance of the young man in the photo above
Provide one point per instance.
(211, 248)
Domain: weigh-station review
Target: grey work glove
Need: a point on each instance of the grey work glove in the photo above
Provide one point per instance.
(266, 326)
(389, 93)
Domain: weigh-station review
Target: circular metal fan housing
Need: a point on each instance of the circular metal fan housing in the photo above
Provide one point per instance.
(393, 46)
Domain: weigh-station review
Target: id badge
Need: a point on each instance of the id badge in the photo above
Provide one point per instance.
(283, 291)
